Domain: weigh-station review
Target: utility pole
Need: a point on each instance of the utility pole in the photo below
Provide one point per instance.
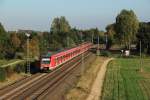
(68, 41)
(28, 58)
(98, 52)
(106, 40)
(92, 38)
(82, 63)
(141, 56)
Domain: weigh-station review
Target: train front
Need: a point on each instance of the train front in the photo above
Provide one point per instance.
(45, 62)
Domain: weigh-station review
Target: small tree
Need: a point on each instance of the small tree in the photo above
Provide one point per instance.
(143, 35)
(4, 43)
(15, 41)
(110, 34)
(34, 50)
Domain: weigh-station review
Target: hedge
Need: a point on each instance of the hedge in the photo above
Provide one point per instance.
(11, 69)
(2, 74)
(105, 53)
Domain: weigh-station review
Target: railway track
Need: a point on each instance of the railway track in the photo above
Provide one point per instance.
(39, 86)
(7, 89)
(58, 81)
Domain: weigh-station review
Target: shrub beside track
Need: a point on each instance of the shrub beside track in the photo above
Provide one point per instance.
(9, 69)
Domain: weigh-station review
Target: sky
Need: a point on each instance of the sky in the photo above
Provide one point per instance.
(82, 14)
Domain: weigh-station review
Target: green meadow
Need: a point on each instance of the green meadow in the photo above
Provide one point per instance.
(125, 81)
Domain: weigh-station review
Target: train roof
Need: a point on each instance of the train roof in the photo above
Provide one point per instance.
(67, 51)
(62, 51)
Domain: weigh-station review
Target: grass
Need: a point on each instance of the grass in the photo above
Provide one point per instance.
(83, 86)
(124, 81)
(9, 67)
(15, 77)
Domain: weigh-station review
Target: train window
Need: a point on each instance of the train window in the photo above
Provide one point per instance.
(62, 58)
(59, 60)
(56, 61)
(45, 61)
(65, 57)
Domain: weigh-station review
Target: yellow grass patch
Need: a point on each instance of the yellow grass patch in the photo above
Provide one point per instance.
(83, 87)
(14, 77)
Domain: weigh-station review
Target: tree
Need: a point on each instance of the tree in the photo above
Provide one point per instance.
(110, 35)
(23, 38)
(60, 25)
(92, 35)
(143, 35)
(74, 34)
(127, 26)
(33, 48)
(15, 41)
(46, 41)
(4, 42)
(111, 30)
(60, 29)
(2, 30)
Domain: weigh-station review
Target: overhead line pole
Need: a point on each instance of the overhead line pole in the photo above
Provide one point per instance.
(106, 41)
(28, 58)
(140, 56)
(82, 70)
(92, 38)
(98, 52)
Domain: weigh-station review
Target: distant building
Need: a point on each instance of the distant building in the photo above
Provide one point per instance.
(25, 31)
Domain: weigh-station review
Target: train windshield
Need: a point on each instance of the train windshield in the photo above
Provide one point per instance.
(45, 61)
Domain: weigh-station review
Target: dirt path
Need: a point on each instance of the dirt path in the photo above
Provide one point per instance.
(98, 83)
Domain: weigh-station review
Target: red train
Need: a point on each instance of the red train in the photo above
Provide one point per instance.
(52, 61)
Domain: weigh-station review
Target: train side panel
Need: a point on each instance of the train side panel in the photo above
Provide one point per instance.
(62, 57)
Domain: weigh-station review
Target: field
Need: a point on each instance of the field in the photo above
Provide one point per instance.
(124, 81)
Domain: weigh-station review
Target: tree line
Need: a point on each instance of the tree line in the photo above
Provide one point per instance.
(61, 36)
(127, 30)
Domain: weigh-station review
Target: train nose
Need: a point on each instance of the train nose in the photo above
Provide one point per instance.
(44, 66)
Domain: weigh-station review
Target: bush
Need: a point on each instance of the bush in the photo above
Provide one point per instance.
(21, 67)
(2, 74)
(11, 69)
(105, 53)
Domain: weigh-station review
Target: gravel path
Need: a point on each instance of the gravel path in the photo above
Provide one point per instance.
(95, 93)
